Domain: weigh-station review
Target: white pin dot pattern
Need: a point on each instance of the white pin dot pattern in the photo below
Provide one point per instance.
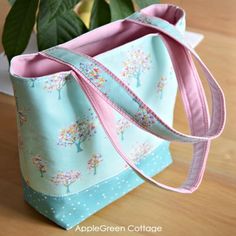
(70, 211)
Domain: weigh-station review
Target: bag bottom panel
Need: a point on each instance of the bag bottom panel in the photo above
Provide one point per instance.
(68, 211)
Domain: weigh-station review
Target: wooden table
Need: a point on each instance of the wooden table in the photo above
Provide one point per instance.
(209, 211)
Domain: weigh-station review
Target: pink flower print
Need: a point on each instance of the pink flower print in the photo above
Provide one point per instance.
(161, 85)
(40, 164)
(94, 74)
(136, 63)
(77, 133)
(21, 113)
(140, 151)
(94, 162)
(56, 83)
(66, 178)
(121, 125)
(22, 117)
(144, 118)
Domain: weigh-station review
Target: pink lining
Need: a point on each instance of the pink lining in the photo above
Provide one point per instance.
(91, 43)
(170, 13)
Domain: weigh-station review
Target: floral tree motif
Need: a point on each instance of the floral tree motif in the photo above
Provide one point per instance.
(66, 178)
(140, 151)
(56, 83)
(22, 117)
(144, 118)
(161, 85)
(21, 112)
(94, 73)
(77, 133)
(121, 125)
(94, 162)
(32, 80)
(136, 63)
(40, 164)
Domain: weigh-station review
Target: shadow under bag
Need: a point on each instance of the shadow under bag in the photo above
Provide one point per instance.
(95, 114)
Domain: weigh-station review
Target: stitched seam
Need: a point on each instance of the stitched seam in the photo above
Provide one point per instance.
(203, 159)
(194, 138)
(222, 113)
(130, 162)
(127, 116)
(196, 180)
(178, 70)
(145, 176)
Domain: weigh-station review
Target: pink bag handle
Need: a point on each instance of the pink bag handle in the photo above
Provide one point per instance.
(218, 102)
(159, 128)
(99, 104)
(200, 149)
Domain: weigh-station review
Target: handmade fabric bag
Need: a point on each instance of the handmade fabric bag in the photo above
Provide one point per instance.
(95, 114)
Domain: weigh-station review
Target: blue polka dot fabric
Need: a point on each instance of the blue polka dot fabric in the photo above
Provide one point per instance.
(68, 211)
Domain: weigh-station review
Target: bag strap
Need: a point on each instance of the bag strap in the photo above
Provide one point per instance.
(200, 152)
(97, 100)
(127, 103)
(163, 27)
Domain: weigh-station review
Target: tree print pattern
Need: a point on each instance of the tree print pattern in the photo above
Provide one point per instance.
(144, 118)
(40, 164)
(140, 151)
(94, 162)
(66, 178)
(121, 125)
(21, 113)
(56, 83)
(77, 133)
(137, 62)
(22, 117)
(93, 73)
(161, 85)
(33, 80)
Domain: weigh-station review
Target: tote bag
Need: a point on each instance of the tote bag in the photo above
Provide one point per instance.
(95, 114)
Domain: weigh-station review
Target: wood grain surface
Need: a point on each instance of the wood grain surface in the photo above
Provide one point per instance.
(209, 211)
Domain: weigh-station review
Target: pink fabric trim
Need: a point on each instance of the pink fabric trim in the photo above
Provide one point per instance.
(218, 101)
(92, 43)
(200, 149)
(192, 183)
(195, 104)
(168, 12)
(110, 131)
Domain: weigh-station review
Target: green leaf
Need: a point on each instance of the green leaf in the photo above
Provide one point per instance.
(57, 23)
(121, 9)
(145, 3)
(18, 27)
(100, 14)
(56, 7)
(11, 2)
